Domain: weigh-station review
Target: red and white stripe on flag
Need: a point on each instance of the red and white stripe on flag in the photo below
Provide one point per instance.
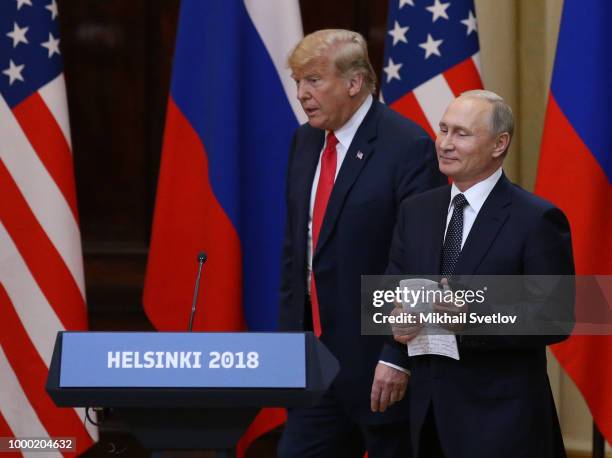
(431, 56)
(42, 289)
(41, 268)
(427, 103)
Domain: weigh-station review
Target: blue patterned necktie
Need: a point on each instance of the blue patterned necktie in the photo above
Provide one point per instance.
(454, 235)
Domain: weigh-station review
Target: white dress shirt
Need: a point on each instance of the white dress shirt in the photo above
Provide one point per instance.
(475, 196)
(345, 135)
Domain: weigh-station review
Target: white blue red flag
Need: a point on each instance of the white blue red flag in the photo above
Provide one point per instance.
(575, 172)
(431, 57)
(231, 115)
(42, 290)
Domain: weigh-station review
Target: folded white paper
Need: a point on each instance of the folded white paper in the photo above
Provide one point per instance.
(432, 339)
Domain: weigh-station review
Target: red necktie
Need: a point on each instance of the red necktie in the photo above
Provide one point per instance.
(324, 189)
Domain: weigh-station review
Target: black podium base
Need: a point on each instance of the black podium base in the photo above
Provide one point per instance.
(186, 429)
(193, 418)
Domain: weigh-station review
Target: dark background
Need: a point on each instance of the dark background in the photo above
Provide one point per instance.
(118, 61)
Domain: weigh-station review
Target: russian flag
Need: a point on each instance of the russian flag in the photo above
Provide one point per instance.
(230, 118)
(575, 172)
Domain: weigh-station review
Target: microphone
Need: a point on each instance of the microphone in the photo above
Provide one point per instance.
(201, 260)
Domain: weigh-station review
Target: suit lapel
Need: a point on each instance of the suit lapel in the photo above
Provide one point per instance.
(433, 243)
(306, 159)
(358, 154)
(491, 218)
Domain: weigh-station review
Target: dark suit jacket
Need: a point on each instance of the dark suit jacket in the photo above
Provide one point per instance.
(496, 400)
(397, 160)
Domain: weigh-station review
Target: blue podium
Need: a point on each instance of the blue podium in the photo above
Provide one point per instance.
(188, 391)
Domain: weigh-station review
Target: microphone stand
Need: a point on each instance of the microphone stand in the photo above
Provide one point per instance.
(201, 260)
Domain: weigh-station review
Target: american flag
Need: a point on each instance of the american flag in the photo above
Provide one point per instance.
(41, 268)
(431, 56)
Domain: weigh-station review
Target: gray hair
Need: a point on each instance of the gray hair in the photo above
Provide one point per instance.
(502, 119)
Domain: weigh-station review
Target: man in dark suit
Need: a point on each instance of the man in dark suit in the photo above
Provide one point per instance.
(495, 401)
(349, 169)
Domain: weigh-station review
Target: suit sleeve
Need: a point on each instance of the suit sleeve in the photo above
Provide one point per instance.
(393, 351)
(419, 171)
(549, 259)
(286, 256)
(547, 310)
(397, 253)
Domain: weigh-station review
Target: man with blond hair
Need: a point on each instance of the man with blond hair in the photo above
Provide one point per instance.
(350, 167)
(495, 400)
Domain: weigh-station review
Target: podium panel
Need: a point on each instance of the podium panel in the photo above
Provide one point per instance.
(188, 390)
(182, 360)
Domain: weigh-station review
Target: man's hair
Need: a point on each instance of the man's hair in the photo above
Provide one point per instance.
(347, 49)
(502, 119)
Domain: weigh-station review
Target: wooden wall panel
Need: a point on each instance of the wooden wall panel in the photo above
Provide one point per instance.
(117, 59)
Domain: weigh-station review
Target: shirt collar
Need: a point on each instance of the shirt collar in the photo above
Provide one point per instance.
(478, 193)
(346, 133)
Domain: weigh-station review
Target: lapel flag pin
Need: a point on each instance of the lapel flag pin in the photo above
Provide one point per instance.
(359, 155)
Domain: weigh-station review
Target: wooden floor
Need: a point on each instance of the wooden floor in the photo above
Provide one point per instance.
(264, 447)
(571, 454)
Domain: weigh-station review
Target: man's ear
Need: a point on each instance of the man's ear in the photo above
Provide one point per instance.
(501, 144)
(355, 83)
